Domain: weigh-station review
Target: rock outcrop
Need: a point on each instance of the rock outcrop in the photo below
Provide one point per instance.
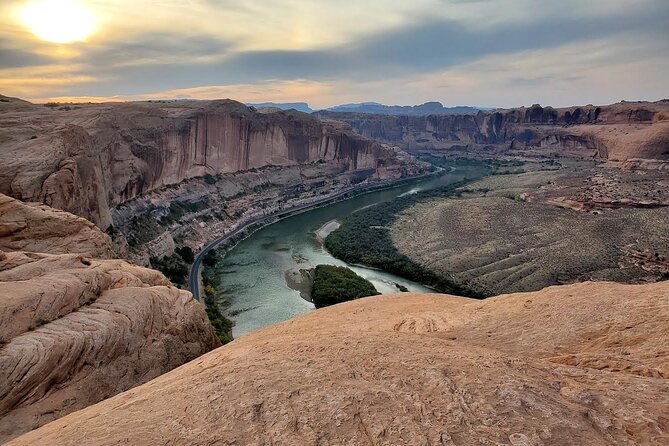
(36, 227)
(88, 158)
(76, 330)
(616, 133)
(583, 364)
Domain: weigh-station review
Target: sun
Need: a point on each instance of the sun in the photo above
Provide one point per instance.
(58, 21)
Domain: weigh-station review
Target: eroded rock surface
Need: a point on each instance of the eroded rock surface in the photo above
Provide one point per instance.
(88, 158)
(75, 330)
(582, 364)
(632, 134)
(39, 228)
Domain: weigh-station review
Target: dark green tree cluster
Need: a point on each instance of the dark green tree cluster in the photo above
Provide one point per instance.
(336, 284)
(211, 258)
(186, 253)
(174, 267)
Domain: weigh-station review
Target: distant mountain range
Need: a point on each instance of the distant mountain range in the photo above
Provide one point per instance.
(299, 106)
(428, 108)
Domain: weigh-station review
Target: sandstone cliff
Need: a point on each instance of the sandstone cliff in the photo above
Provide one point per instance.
(616, 133)
(74, 330)
(88, 158)
(585, 364)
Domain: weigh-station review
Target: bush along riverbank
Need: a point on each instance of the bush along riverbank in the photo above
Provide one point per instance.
(364, 238)
(336, 284)
(222, 325)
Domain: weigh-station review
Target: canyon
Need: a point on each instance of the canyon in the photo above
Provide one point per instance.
(83, 186)
(623, 134)
(89, 158)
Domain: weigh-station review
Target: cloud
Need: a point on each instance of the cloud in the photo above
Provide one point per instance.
(368, 48)
(12, 58)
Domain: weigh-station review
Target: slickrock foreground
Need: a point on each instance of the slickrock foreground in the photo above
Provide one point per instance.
(39, 228)
(75, 330)
(584, 364)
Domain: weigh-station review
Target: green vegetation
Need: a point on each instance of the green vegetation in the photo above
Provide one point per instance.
(336, 284)
(112, 232)
(211, 258)
(146, 227)
(222, 325)
(364, 238)
(174, 267)
(180, 208)
(186, 253)
(143, 229)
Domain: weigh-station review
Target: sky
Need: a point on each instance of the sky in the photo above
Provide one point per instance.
(493, 53)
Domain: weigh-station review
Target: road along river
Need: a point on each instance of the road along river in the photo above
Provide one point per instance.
(252, 274)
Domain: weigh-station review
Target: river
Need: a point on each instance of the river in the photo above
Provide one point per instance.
(252, 274)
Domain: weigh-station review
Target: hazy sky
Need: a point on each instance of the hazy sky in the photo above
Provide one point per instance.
(460, 52)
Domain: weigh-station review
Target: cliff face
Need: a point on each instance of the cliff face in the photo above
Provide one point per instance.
(616, 132)
(583, 364)
(88, 158)
(75, 330)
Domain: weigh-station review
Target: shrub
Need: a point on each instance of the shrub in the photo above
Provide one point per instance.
(336, 284)
(173, 267)
(221, 324)
(209, 290)
(211, 258)
(186, 253)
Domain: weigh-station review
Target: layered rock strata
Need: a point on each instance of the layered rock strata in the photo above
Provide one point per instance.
(88, 158)
(633, 134)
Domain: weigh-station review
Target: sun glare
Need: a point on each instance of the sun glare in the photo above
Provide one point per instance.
(58, 21)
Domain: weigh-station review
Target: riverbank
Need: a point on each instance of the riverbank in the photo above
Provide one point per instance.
(244, 229)
(363, 238)
(250, 278)
(327, 229)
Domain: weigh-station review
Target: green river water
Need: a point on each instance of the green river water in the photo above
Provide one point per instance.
(252, 274)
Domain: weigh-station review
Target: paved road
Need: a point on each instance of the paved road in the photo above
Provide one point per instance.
(194, 282)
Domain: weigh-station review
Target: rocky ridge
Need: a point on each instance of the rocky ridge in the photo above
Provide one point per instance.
(580, 364)
(633, 134)
(88, 158)
(75, 330)
(36, 227)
